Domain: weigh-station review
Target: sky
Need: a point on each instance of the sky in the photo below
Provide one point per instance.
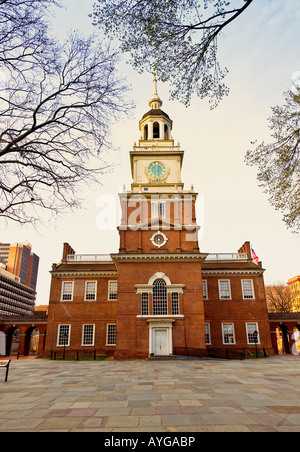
(262, 52)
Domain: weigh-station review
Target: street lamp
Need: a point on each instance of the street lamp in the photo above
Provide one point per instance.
(65, 336)
(255, 337)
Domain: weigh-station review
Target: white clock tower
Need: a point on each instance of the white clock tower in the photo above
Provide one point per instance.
(156, 162)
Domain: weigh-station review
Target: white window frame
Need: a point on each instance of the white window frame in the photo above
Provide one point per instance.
(110, 292)
(85, 291)
(244, 290)
(62, 290)
(204, 289)
(220, 290)
(107, 333)
(249, 332)
(83, 335)
(67, 344)
(223, 333)
(175, 304)
(207, 334)
(144, 303)
(158, 209)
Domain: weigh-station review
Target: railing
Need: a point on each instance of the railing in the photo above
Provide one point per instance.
(79, 355)
(157, 147)
(227, 257)
(220, 353)
(89, 258)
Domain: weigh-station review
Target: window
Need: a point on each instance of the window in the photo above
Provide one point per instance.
(158, 209)
(156, 130)
(252, 333)
(224, 289)
(88, 332)
(67, 290)
(145, 304)
(63, 335)
(204, 288)
(160, 299)
(207, 334)
(146, 132)
(112, 290)
(175, 303)
(166, 132)
(111, 334)
(90, 290)
(228, 333)
(247, 288)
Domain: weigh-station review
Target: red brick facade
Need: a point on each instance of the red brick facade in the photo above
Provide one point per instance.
(160, 293)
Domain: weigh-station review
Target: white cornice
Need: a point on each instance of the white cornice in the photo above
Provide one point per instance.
(233, 271)
(147, 257)
(80, 274)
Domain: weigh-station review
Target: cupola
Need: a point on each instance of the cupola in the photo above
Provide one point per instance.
(156, 124)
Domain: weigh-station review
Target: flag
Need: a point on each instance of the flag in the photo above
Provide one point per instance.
(254, 256)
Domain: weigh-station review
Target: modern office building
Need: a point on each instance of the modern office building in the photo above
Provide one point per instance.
(19, 260)
(18, 279)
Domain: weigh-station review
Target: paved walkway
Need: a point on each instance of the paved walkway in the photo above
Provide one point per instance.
(155, 396)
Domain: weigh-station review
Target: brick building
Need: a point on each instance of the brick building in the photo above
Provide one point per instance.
(159, 295)
(294, 285)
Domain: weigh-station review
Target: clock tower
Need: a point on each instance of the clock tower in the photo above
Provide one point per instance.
(156, 162)
(160, 302)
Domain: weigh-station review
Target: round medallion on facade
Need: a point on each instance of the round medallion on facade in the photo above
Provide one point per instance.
(159, 239)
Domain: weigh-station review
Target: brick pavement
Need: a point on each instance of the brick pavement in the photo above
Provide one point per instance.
(152, 396)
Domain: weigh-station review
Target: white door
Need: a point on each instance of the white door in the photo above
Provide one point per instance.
(161, 342)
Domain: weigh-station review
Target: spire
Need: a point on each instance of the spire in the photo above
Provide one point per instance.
(155, 84)
(155, 103)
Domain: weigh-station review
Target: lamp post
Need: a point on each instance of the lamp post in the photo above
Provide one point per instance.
(65, 336)
(255, 334)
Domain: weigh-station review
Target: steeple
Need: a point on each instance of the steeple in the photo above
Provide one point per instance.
(155, 161)
(155, 103)
(156, 124)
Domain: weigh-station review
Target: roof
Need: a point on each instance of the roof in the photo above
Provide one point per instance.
(83, 268)
(32, 319)
(157, 112)
(284, 316)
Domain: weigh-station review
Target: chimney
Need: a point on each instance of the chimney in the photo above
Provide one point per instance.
(246, 248)
(67, 249)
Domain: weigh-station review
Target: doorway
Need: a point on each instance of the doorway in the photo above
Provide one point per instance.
(161, 342)
(160, 337)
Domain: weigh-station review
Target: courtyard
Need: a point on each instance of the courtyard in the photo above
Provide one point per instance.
(152, 396)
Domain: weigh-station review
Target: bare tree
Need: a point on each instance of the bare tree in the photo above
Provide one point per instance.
(278, 162)
(57, 103)
(279, 298)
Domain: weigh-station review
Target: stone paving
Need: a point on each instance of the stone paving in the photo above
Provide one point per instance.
(152, 396)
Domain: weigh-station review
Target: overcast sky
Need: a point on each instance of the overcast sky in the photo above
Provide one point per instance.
(262, 52)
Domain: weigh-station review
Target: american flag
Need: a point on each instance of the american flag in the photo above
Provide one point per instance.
(254, 256)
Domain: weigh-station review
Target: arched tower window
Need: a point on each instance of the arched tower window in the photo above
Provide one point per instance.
(146, 132)
(160, 298)
(166, 132)
(156, 130)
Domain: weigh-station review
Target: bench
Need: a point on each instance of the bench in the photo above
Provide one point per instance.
(5, 365)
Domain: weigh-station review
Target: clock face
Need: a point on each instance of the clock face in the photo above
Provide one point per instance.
(157, 170)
